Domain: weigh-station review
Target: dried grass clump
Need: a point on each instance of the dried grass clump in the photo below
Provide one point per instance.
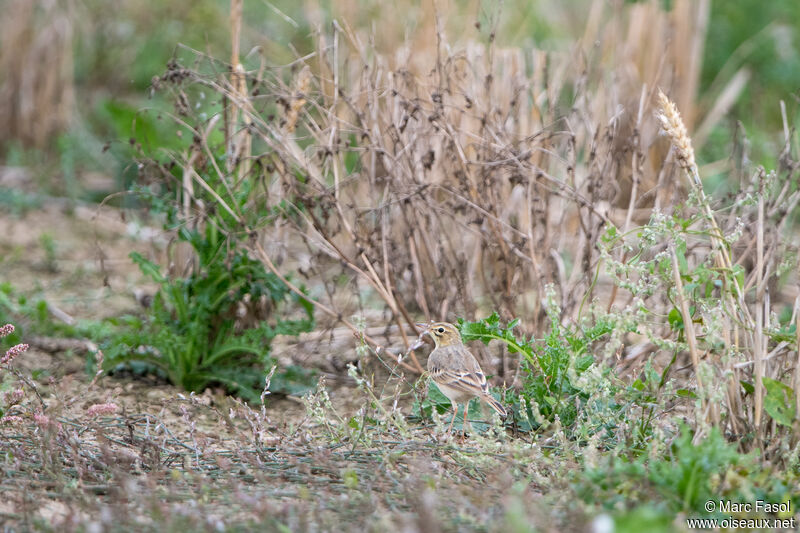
(449, 182)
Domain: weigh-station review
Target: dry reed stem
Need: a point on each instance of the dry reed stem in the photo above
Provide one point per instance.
(236, 82)
(759, 337)
(238, 139)
(688, 323)
(692, 18)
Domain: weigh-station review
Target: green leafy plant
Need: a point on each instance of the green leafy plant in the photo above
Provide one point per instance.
(564, 383)
(190, 333)
(550, 371)
(549, 389)
(681, 476)
(646, 392)
(779, 401)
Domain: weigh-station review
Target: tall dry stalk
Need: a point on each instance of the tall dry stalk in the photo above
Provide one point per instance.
(688, 322)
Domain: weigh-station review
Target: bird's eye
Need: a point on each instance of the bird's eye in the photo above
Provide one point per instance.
(440, 330)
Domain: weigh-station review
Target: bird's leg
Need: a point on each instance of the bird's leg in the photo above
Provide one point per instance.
(455, 412)
(466, 410)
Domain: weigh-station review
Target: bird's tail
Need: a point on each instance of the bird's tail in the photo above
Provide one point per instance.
(494, 404)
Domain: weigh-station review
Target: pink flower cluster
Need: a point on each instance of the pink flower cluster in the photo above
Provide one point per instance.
(11, 398)
(102, 409)
(12, 352)
(45, 422)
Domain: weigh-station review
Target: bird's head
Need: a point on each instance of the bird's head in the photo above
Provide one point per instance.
(442, 333)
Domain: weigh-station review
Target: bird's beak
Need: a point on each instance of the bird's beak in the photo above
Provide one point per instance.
(423, 326)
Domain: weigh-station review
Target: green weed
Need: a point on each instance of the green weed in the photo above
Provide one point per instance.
(682, 476)
(190, 332)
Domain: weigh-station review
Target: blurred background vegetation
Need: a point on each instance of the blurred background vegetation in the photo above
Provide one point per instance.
(75, 76)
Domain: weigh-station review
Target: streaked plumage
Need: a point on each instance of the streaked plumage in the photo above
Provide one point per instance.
(456, 371)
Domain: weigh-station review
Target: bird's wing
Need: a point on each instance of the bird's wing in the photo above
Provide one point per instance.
(469, 381)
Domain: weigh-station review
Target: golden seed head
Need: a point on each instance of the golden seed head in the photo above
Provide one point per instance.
(673, 126)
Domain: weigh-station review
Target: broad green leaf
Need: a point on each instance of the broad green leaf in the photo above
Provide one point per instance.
(779, 401)
(675, 319)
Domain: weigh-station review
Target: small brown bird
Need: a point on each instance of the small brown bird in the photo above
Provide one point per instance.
(456, 371)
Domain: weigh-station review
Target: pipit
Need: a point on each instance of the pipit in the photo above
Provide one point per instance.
(456, 371)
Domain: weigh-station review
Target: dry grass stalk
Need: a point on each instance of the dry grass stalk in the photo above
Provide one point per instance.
(760, 340)
(239, 140)
(688, 325)
(760, 252)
